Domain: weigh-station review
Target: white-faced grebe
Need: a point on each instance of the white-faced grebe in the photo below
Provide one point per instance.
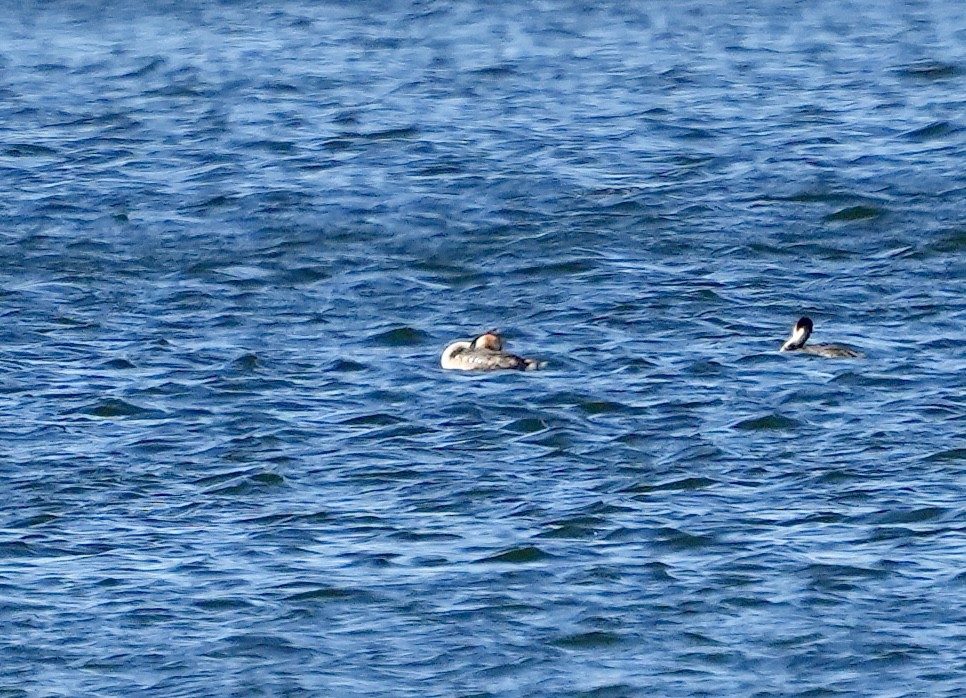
(485, 353)
(800, 334)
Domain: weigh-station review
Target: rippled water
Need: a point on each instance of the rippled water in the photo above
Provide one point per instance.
(236, 238)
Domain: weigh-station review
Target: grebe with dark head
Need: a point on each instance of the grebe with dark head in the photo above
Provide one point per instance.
(800, 335)
(485, 353)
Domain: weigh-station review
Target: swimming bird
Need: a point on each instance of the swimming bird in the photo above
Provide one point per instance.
(484, 353)
(800, 334)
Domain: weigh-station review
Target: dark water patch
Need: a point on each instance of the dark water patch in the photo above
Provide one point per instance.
(743, 602)
(92, 246)
(941, 411)
(245, 363)
(569, 531)
(278, 200)
(629, 208)
(256, 483)
(255, 646)
(592, 639)
(675, 539)
(813, 519)
(72, 322)
(934, 131)
(374, 560)
(218, 478)
(594, 407)
(372, 474)
(178, 89)
(930, 70)
(374, 419)
(338, 145)
(150, 67)
(907, 517)
(118, 365)
(527, 425)
(825, 252)
(948, 241)
(315, 517)
(682, 484)
(851, 378)
(556, 439)
(390, 134)
(518, 556)
(245, 277)
(400, 337)
(267, 478)
(830, 575)
(951, 454)
(840, 477)
(768, 422)
(402, 434)
(28, 150)
(421, 536)
(556, 269)
(701, 452)
(35, 520)
(346, 366)
(56, 205)
(242, 383)
(440, 169)
(856, 213)
(703, 368)
(115, 407)
(330, 594)
(270, 519)
(214, 204)
(500, 70)
(818, 196)
(15, 549)
(943, 344)
(615, 690)
(223, 604)
(582, 525)
(303, 276)
(270, 146)
(893, 533)
(810, 395)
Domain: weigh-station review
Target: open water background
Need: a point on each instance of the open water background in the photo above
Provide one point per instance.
(234, 239)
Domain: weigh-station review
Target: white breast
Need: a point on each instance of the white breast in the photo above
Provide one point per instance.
(448, 361)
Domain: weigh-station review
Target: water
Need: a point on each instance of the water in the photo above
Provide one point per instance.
(235, 239)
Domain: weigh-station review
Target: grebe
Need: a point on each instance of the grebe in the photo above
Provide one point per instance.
(800, 334)
(485, 353)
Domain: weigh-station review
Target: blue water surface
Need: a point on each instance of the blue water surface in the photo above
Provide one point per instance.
(235, 237)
